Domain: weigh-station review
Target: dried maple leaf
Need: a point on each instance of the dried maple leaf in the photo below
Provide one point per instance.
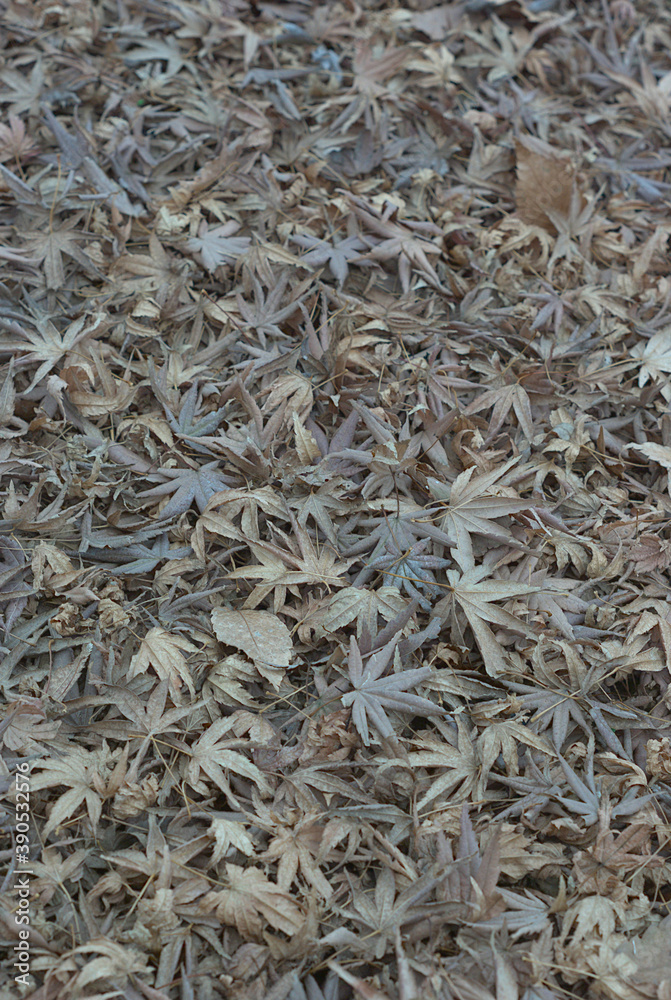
(134, 558)
(211, 756)
(164, 653)
(293, 393)
(654, 356)
(282, 568)
(48, 248)
(25, 89)
(188, 424)
(228, 833)
(229, 682)
(28, 516)
(295, 845)
(25, 726)
(249, 446)
(85, 773)
(157, 274)
(364, 98)
(356, 604)
(504, 49)
(322, 504)
(247, 504)
(150, 717)
(409, 569)
(473, 592)
(651, 95)
(599, 868)
(564, 691)
(588, 801)
(624, 173)
(504, 739)
(380, 915)
(473, 508)
(370, 71)
(157, 50)
(251, 903)
(46, 344)
(14, 143)
(105, 961)
(264, 315)
(401, 242)
(502, 400)
(218, 246)
(463, 775)
(438, 63)
(199, 484)
(372, 693)
(337, 255)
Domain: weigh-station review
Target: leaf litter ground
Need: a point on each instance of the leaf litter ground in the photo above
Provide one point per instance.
(336, 508)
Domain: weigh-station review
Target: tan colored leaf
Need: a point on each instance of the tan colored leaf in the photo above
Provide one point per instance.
(212, 756)
(655, 452)
(546, 180)
(306, 446)
(259, 634)
(227, 834)
(360, 605)
(252, 902)
(26, 724)
(164, 653)
(84, 772)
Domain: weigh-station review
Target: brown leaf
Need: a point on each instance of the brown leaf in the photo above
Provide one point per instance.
(259, 634)
(546, 181)
(251, 902)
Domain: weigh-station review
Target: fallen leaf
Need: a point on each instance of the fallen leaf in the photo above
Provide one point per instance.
(259, 634)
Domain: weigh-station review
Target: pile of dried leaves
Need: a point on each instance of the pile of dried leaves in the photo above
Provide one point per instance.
(336, 524)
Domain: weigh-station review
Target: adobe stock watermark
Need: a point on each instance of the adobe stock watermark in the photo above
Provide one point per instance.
(21, 950)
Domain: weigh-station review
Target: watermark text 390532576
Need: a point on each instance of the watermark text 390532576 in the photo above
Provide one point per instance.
(21, 883)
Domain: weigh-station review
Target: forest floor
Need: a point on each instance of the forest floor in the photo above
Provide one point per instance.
(335, 443)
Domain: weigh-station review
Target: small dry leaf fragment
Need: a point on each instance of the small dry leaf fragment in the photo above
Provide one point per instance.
(227, 834)
(659, 758)
(134, 798)
(651, 553)
(546, 181)
(655, 357)
(25, 724)
(643, 963)
(259, 634)
(655, 452)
